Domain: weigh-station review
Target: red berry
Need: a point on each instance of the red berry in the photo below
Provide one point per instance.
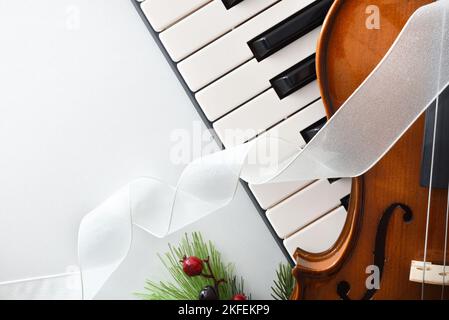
(239, 296)
(192, 266)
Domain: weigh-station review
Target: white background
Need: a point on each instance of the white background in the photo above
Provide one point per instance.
(88, 103)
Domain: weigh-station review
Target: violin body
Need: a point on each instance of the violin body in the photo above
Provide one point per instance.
(387, 216)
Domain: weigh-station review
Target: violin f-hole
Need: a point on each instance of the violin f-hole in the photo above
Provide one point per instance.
(343, 287)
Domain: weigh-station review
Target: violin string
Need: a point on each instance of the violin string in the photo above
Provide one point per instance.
(445, 239)
(429, 198)
(445, 245)
(447, 204)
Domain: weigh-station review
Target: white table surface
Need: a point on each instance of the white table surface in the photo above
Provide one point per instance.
(88, 103)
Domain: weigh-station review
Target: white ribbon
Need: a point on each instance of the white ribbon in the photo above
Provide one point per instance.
(409, 78)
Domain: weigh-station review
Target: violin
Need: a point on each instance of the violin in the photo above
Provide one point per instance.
(394, 242)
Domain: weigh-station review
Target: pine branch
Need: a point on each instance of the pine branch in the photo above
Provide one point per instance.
(184, 287)
(284, 284)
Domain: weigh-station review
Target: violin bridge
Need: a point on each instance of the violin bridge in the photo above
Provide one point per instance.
(434, 274)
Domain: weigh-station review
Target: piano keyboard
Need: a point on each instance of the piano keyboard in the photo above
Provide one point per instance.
(249, 69)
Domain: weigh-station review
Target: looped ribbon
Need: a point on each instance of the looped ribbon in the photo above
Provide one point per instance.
(408, 79)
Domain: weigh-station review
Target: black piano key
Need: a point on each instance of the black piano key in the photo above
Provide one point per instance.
(290, 29)
(345, 201)
(230, 3)
(440, 179)
(309, 132)
(294, 78)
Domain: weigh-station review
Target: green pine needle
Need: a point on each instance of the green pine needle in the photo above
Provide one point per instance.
(285, 283)
(184, 287)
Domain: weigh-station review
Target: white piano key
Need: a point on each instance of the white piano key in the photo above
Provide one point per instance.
(207, 24)
(252, 78)
(320, 235)
(261, 113)
(307, 205)
(290, 129)
(231, 50)
(270, 194)
(163, 13)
